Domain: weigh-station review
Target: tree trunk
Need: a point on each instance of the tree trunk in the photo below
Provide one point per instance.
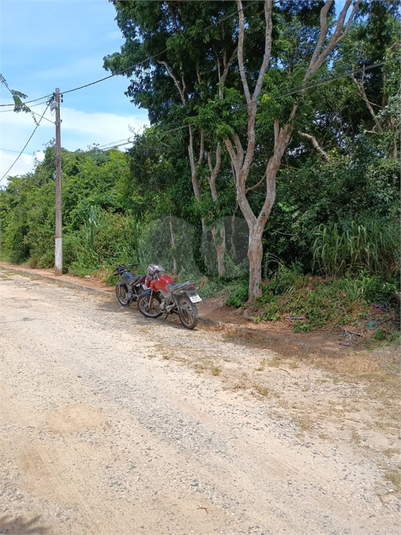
(255, 256)
(219, 240)
(173, 244)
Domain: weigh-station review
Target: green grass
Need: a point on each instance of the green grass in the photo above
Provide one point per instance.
(325, 301)
(372, 245)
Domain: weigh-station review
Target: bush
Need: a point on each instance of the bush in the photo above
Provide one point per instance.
(239, 295)
(373, 246)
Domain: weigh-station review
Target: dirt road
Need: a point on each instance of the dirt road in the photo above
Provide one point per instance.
(113, 424)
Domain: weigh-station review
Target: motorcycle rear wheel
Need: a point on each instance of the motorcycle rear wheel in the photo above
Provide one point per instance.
(121, 293)
(143, 305)
(188, 313)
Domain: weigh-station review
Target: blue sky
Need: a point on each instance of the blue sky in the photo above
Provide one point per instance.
(46, 44)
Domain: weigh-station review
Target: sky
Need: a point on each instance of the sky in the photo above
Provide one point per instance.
(49, 44)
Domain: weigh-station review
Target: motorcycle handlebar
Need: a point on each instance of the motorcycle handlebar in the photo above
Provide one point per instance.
(122, 267)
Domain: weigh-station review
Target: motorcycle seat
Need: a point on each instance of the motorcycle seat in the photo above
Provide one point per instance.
(182, 285)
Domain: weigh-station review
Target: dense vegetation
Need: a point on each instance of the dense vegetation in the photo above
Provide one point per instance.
(172, 197)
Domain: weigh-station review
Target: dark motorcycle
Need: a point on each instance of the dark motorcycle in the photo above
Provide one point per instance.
(130, 286)
(163, 296)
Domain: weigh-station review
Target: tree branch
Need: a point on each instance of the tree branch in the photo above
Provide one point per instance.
(319, 56)
(315, 145)
(362, 94)
(268, 47)
(241, 39)
(176, 82)
(256, 185)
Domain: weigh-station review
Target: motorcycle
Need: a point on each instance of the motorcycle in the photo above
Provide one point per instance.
(130, 286)
(163, 296)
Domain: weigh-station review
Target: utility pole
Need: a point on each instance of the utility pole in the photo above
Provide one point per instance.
(58, 254)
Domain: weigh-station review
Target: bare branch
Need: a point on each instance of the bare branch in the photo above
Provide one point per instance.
(268, 47)
(214, 170)
(241, 39)
(256, 185)
(315, 145)
(201, 148)
(176, 82)
(362, 94)
(319, 56)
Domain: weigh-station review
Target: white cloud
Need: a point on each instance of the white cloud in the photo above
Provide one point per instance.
(24, 164)
(79, 130)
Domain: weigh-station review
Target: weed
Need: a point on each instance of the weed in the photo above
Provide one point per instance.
(355, 436)
(394, 476)
(380, 335)
(304, 423)
(238, 294)
(274, 362)
(263, 390)
(215, 371)
(239, 386)
(390, 452)
(372, 245)
(301, 327)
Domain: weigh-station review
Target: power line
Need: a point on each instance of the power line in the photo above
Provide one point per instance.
(300, 89)
(131, 66)
(17, 151)
(293, 91)
(12, 111)
(26, 144)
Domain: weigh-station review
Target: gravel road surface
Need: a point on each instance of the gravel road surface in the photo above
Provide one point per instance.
(115, 424)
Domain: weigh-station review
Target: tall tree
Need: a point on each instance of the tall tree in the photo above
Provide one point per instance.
(229, 70)
(242, 150)
(187, 57)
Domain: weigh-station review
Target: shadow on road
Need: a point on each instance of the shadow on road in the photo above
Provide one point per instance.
(20, 526)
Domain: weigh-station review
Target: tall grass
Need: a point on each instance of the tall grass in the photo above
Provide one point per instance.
(373, 246)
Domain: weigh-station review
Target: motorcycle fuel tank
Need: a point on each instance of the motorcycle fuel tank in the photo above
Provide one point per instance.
(127, 277)
(161, 283)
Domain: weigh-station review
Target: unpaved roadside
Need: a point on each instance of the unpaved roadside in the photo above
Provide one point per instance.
(111, 423)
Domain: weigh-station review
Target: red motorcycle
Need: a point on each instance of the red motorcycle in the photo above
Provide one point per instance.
(163, 296)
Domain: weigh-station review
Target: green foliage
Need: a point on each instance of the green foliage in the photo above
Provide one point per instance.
(238, 295)
(374, 247)
(338, 215)
(329, 301)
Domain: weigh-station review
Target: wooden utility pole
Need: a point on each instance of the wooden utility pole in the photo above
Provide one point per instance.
(58, 256)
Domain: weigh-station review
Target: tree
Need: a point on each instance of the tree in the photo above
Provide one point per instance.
(240, 76)
(242, 150)
(181, 72)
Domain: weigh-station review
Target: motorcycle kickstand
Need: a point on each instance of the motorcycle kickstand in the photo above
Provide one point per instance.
(165, 317)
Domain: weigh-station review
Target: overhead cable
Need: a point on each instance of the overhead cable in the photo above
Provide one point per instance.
(26, 144)
(127, 68)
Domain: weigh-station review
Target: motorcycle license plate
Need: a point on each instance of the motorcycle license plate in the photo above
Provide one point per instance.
(195, 298)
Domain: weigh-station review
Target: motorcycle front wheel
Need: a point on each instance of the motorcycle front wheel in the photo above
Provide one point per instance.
(149, 305)
(188, 313)
(121, 293)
